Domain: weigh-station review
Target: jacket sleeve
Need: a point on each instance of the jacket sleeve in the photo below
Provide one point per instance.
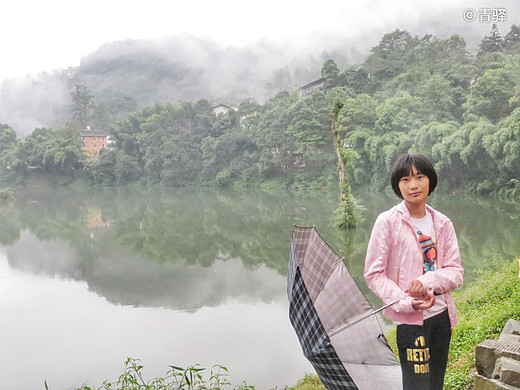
(450, 273)
(376, 267)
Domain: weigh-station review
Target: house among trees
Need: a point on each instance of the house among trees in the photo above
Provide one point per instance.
(93, 140)
(223, 109)
(311, 87)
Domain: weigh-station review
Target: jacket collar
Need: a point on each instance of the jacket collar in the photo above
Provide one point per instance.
(401, 207)
(403, 210)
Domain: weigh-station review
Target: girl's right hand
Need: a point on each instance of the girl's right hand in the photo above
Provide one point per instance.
(423, 304)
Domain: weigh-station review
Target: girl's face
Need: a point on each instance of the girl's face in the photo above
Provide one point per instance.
(414, 187)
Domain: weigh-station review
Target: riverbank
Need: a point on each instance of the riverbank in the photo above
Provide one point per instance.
(484, 307)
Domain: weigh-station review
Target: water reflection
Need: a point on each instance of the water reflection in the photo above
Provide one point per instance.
(125, 278)
(181, 250)
(188, 249)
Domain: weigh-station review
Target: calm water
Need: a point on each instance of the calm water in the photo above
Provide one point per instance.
(179, 278)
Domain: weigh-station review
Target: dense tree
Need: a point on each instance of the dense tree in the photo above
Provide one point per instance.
(330, 72)
(512, 40)
(490, 94)
(504, 147)
(82, 105)
(12, 161)
(492, 43)
(389, 58)
(7, 138)
(358, 79)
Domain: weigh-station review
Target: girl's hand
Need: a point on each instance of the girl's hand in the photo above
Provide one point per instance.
(423, 299)
(423, 304)
(417, 290)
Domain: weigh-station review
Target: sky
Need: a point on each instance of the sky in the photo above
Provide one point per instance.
(38, 36)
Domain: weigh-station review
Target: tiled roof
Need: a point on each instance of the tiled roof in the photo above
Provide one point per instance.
(93, 133)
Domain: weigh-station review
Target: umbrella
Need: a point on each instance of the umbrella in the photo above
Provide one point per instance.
(333, 320)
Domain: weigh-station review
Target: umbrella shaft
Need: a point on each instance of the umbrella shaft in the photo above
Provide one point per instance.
(364, 316)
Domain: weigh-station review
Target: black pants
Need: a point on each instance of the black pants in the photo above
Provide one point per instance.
(423, 352)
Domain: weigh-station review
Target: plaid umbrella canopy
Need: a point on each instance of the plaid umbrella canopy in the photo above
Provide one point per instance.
(323, 301)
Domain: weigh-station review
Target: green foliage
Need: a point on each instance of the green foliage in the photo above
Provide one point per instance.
(492, 43)
(190, 378)
(330, 72)
(309, 382)
(491, 93)
(82, 105)
(176, 378)
(483, 310)
(6, 196)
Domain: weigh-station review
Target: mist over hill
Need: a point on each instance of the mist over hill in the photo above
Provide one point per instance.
(130, 74)
(181, 68)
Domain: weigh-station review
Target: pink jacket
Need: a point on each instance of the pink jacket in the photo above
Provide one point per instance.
(394, 259)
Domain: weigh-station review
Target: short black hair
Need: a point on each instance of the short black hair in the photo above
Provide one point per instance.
(403, 167)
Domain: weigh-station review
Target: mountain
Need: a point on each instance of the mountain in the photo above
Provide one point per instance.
(181, 68)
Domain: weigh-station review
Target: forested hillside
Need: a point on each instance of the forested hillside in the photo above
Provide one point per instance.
(421, 94)
(127, 75)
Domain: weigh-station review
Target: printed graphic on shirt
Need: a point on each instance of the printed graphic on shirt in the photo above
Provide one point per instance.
(429, 252)
(419, 356)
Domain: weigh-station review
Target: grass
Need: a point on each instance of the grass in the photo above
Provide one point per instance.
(483, 310)
(191, 378)
(176, 378)
(309, 382)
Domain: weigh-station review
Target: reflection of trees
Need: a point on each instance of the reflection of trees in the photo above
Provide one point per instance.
(185, 226)
(191, 227)
(200, 227)
(487, 230)
(9, 225)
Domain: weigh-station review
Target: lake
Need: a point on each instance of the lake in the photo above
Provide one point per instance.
(180, 277)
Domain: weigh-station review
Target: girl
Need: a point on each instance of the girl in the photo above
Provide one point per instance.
(413, 250)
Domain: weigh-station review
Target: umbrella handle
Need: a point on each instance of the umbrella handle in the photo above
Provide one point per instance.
(361, 318)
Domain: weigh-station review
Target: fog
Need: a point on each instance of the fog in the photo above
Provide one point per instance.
(189, 67)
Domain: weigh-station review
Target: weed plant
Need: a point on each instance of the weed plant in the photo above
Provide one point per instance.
(191, 378)
(176, 378)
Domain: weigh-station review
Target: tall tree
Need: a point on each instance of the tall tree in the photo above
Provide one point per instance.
(390, 57)
(348, 209)
(82, 105)
(512, 39)
(492, 43)
(330, 72)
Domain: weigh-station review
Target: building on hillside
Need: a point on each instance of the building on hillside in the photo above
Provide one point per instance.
(93, 140)
(223, 109)
(311, 87)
